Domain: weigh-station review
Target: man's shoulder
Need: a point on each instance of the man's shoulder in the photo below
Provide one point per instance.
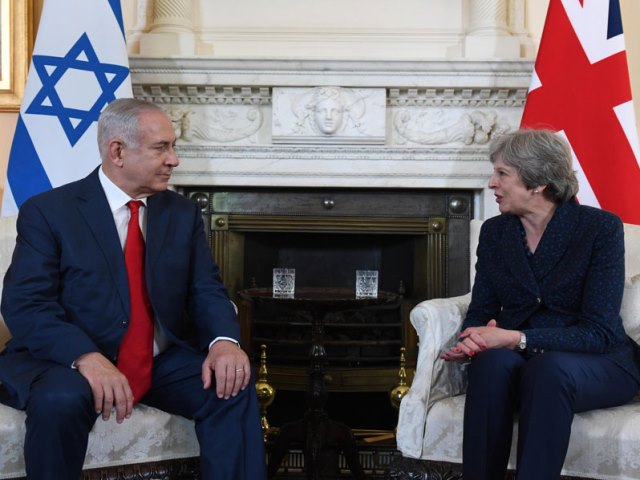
(56, 196)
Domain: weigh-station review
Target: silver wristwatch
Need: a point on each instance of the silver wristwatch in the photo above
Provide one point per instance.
(522, 345)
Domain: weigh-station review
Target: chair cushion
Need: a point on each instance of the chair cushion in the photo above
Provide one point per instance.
(150, 435)
(630, 310)
(7, 243)
(631, 249)
(604, 443)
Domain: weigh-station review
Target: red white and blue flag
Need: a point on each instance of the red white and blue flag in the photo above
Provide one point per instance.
(581, 89)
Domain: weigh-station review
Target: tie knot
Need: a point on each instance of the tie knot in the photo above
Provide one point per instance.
(134, 206)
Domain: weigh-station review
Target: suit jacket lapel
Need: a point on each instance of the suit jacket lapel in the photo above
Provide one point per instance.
(95, 210)
(158, 221)
(514, 257)
(556, 238)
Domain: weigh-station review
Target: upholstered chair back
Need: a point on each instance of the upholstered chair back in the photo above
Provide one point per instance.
(7, 243)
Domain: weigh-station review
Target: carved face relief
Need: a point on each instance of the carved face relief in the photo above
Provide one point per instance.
(328, 114)
(327, 105)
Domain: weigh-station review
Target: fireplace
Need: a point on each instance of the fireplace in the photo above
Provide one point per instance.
(399, 204)
(417, 239)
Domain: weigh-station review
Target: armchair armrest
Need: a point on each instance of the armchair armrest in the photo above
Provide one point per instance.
(437, 322)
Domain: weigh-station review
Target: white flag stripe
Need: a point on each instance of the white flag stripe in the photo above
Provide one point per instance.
(47, 135)
(535, 81)
(592, 32)
(586, 196)
(627, 118)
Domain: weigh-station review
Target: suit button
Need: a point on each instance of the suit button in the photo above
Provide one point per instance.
(123, 324)
(538, 300)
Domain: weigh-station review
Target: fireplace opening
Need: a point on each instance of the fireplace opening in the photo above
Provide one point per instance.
(368, 336)
(416, 239)
(331, 260)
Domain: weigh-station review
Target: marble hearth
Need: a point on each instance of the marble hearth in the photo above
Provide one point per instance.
(336, 123)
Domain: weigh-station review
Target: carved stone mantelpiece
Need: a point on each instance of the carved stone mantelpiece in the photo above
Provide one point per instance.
(438, 119)
(329, 115)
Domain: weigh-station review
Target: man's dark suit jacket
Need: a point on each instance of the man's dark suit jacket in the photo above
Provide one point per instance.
(66, 291)
(567, 296)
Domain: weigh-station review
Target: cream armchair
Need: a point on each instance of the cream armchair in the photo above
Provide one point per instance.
(605, 444)
(151, 444)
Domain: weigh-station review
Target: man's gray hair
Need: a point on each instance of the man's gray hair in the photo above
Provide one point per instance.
(120, 120)
(540, 157)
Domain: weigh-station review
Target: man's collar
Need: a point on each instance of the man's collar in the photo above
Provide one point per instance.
(115, 196)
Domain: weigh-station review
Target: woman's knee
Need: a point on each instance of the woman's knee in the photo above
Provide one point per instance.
(548, 374)
(495, 364)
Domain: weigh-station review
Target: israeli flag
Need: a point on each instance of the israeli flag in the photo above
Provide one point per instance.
(79, 65)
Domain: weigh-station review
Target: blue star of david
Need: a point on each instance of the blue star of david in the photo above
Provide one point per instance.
(47, 100)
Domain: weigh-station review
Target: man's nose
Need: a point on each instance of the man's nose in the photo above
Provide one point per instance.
(172, 159)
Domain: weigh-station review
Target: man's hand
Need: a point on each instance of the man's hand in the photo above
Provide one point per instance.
(109, 386)
(231, 368)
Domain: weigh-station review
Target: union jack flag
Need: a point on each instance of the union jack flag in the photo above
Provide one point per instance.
(580, 89)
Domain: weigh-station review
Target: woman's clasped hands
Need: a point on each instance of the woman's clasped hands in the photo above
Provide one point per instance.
(473, 340)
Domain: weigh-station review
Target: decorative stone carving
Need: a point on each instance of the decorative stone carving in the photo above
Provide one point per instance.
(171, 30)
(488, 17)
(144, 16)
(206, 85)
(172, 16)
(431, 127)
(517, 25)
(489, 34)
(457, 97)
(328, 115)
(215, 125)
(203, 95)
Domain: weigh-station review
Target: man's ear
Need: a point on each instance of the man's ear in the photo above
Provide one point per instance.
(115, 152)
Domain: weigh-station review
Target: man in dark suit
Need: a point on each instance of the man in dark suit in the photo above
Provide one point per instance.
(68, 304)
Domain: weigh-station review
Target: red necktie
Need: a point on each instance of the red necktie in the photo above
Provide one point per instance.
(135, 358)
